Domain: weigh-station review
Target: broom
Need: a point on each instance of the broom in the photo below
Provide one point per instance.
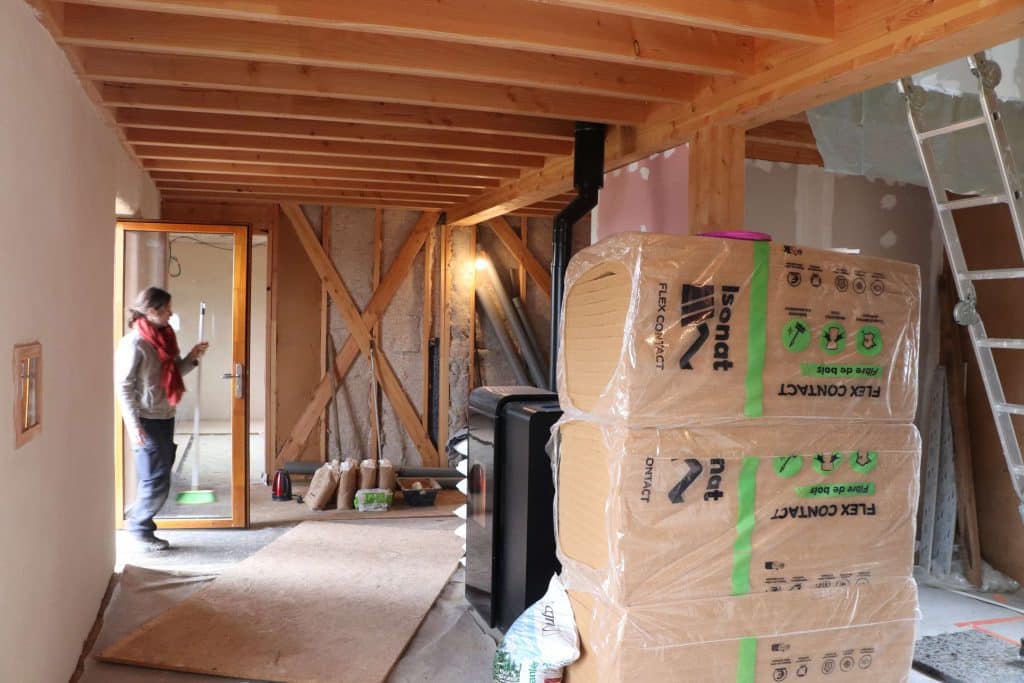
(197, 496)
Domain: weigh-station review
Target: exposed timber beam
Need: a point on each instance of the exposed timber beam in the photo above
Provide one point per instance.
(353, 84)
(509, 24)
(802, 20)
(554, 136)
(335, 130)
(877, 41)
(333, 148)
(213, 37)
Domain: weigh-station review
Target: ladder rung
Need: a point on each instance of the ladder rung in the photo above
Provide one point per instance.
(1018, 470)
(1002, 343)
(1015, 408)
(996, 274)
(953, 127)
(984, 200)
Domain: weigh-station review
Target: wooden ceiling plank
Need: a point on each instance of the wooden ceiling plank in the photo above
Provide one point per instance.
(242, 190)
(784, 132)
(221, 168)
(809, 21)
(530, 133)
(331, 148)
(510, 24)
(213, 37)
(382, 180)
(309, 161)
(353, 84)
(278, 199)
(211, 182)
(335, 130)
(791, 154)
(877, 42)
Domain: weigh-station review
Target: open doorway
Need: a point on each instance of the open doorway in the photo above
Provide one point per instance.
(206, 270)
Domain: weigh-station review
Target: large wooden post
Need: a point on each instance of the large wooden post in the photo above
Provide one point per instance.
(717, 179)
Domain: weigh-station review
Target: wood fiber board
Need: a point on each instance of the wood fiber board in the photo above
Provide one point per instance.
(325, 602)
(986, 234)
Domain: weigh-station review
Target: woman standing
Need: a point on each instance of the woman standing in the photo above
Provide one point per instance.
(148, 370)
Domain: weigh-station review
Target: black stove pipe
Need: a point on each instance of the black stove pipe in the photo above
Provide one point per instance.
(588, 178)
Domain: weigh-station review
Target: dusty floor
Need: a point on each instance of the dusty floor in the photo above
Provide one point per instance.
(155, 581)
(449, 626)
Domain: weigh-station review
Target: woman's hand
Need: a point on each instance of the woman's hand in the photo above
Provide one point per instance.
(198, 350)
(140, 437)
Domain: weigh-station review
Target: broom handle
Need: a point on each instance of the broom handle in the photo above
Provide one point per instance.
(195, 413)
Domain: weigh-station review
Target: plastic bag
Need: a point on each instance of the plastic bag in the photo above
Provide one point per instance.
(541, 642)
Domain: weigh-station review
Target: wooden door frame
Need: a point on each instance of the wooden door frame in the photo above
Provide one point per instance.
(241, 262)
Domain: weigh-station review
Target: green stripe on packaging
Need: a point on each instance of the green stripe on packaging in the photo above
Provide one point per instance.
(746, 664)
(742, 548)
(756, 339)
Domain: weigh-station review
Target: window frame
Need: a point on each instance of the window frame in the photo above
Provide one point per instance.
(24, 389)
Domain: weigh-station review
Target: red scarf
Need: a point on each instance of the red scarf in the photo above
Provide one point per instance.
(166, 344)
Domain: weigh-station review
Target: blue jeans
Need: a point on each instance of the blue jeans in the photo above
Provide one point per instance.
(153, 462)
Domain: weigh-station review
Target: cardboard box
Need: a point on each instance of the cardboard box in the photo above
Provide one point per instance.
(855, 636)
(660, 330)
(753, 506)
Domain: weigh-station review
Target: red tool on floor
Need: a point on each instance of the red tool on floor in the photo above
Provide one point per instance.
(282, 489)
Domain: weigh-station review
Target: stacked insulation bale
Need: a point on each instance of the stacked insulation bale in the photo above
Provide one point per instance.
(736, 470)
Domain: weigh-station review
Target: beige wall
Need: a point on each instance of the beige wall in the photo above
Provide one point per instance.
(202, 271)
(58, 182)
(206, 275)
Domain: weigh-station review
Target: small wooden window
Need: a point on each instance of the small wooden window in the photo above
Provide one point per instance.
(28, 406)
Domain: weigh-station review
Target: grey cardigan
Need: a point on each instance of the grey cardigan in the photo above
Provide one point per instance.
(137, 380)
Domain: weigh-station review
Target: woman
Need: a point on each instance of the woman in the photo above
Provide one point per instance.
(148, 370)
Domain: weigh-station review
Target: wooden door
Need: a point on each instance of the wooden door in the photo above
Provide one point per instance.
(206, 270)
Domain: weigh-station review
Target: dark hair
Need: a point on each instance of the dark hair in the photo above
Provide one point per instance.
(150, 297)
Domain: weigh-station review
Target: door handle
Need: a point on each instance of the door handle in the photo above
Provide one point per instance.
(239, 376)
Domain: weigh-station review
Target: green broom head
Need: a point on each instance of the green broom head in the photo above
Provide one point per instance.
(200, 497)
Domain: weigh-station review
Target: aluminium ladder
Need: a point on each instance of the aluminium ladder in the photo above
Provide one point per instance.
(988, 74)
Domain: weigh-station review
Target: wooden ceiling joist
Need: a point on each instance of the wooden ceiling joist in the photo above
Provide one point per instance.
(329, 148)
(221, 168)
(789, 141)
(312, 161)
(354, 193)
(511, 24)
(353, 84)
(424, 205)
(189, 180)
(408, 116)
(876, 42)
(117, 28)
(334, 130)
(799, 20)
(357, 178)
(380, 101)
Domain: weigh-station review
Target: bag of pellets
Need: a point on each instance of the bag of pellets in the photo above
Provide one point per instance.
(322, 488)
(541, 642)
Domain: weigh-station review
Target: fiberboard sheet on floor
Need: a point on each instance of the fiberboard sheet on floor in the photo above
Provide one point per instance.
(326, 602)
